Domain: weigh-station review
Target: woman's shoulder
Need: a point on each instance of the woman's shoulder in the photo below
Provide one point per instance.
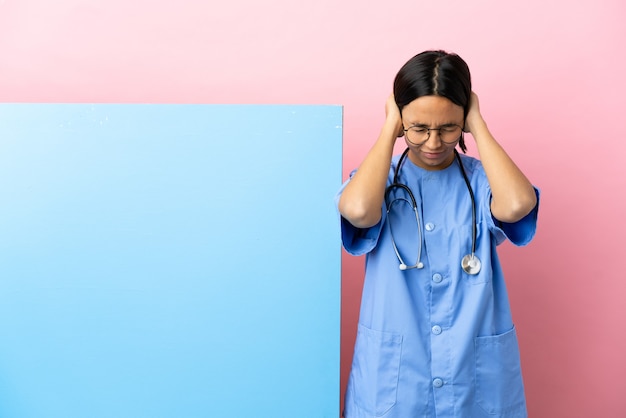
(469, 160)
(471, 164)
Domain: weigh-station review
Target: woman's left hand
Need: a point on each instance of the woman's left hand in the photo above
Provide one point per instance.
(473, 115)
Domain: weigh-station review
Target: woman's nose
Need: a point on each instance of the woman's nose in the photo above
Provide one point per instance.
(434, 139)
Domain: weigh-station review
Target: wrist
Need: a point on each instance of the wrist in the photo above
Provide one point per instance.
(394, 126)
(476, 127)
(390, 134)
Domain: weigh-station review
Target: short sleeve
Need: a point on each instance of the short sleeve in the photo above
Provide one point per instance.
(358, 241)
(520, 233)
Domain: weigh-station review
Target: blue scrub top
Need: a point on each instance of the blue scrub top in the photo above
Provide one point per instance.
(436, 341)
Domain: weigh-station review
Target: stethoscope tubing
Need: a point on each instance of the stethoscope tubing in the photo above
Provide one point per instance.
(469, 263)
(471, 193)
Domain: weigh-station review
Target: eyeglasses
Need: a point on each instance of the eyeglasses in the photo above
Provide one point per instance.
(418, 135)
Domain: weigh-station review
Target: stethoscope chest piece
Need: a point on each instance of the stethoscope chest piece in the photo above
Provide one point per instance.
(471, 264)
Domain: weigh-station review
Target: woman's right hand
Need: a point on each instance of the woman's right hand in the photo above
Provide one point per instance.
(394, 118)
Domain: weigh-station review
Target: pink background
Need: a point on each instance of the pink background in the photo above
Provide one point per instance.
(550, 76)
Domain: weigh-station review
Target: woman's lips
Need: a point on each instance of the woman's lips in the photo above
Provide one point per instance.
(432, 155)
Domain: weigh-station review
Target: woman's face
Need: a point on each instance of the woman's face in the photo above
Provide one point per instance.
(447, 120)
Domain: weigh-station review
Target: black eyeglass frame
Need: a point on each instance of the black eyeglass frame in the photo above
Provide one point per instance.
(428, 130)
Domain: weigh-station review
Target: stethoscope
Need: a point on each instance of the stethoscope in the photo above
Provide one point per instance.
(470, 263)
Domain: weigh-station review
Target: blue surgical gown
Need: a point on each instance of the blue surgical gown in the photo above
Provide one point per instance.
(436, 341)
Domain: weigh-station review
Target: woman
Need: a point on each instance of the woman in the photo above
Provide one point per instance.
(435, 334)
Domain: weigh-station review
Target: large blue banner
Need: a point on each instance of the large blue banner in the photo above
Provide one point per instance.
(169, 261)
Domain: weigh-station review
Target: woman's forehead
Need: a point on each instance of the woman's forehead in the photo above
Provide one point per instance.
(432, 110)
